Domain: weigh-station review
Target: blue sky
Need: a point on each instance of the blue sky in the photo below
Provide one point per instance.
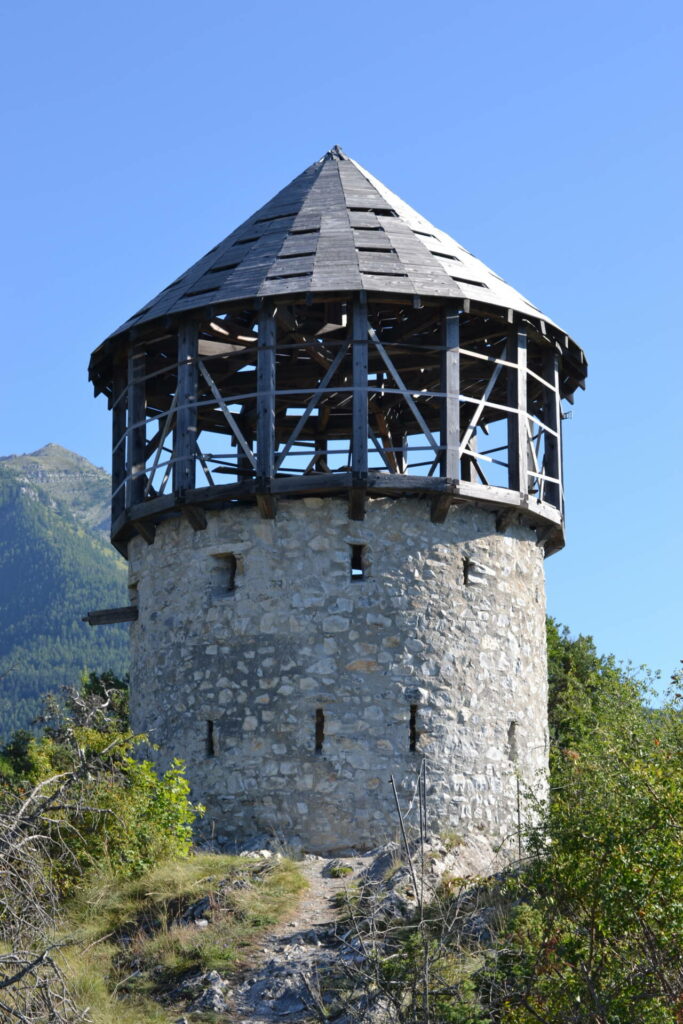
(546, 138)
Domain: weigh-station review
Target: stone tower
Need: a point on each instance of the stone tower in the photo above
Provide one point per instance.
(336, 471)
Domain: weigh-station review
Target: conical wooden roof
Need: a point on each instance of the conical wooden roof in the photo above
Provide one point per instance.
(334, 228)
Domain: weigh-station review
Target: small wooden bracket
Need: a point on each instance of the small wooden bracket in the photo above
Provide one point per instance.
(107, 616)
(146, 530)
(266, 505)
(503, 520)
(357, 497)
(440, 506)
(195, 516)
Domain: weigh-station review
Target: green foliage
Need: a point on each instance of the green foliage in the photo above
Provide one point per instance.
(54, 569)
(121, 815)
(596, 936)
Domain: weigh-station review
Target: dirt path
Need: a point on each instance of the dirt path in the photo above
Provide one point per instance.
(274, 989)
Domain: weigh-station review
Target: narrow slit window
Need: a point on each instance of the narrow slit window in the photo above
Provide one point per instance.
(357, 562)
(513, 752)
(413, 728)
(319, 730)
(466, 571)
(210, 739)
(224, 574)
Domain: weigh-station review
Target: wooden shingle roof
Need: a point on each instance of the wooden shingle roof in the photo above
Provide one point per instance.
(334, 228)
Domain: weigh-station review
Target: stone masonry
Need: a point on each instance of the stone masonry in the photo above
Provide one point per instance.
(293, 663)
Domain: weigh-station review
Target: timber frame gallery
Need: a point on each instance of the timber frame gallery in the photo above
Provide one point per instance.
(337, 344)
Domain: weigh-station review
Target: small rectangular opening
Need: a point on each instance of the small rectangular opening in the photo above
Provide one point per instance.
(295, 255)
(413, 728)
(358, 562)
(277, 216)
(245, 241)
(464, 280)
(224, 573)
(445, 255)
(204, 291)
(466, 571)
(210, 739)
(319, 730)
(281, 277)
(383, 273)
(223, 266)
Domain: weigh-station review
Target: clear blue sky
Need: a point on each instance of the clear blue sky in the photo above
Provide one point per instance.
(544, 137)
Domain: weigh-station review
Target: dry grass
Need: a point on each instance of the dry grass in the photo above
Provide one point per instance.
(119, 932)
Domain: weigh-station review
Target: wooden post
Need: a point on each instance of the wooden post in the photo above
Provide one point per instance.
(518, 431)
(118, 442)
(359, 430)
(185, 434)
(450, 386)
(449, 420)
(265, 410)
(136, 433)
(552, 462)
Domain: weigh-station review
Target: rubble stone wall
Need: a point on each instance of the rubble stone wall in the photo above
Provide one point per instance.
(255, 645)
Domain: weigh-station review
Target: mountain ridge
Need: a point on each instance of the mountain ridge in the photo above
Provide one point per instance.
(56, 564)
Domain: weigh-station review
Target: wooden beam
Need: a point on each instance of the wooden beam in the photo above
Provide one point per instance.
(135, 461)
(118, 442)
(359, 432)
(440, 506)
(265, 401)
(185, 434)
(518, 430)
(195, 516)
(146, 530)
(552, 462)
(107, 616)
(450, 403)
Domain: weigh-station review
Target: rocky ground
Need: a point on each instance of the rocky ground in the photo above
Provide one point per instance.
(289, 974)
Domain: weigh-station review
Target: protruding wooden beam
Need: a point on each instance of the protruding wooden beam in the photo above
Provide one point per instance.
(359, 434)
(108, 616)
(195, 516)
(185, 434)
(450, 403)
(135, 460)
(266, 505)
(146, 530)
(439, 508)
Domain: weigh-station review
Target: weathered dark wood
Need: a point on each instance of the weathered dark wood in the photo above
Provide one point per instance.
(552, 462)
(518, 431)
(265, 403)
(439, 508)
(135, 455)
(118, 441)
(108, 616)
(450, 403)
(359, 435)
(195, 516)
(185, 434)
(146, 529)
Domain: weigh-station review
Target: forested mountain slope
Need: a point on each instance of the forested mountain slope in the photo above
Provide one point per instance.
(55, 564)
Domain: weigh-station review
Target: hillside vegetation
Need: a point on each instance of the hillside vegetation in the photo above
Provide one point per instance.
(56, 564)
